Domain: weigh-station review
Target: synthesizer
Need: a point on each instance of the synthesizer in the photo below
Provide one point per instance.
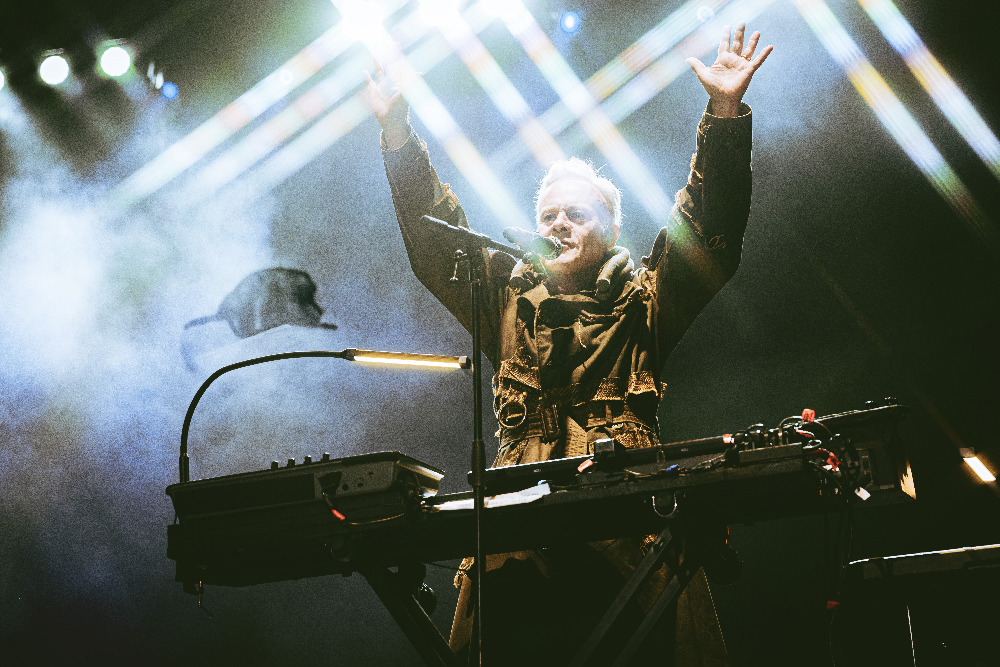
(336, 516)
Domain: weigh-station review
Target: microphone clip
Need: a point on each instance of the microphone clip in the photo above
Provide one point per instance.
(460, 259)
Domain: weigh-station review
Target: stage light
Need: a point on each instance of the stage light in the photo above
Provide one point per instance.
(54, 70)
(569, 22)
(115, 61)
(932, 76)
(2, 79)
(581, 103)
(893, 115)
(248, 106)
(169, 90)
(655, 56)
(435, 12)
(363, 21)
(981, 470)
(502, 9)
(461, 35)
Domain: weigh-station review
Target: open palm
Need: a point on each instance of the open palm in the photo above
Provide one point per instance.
(727, 79)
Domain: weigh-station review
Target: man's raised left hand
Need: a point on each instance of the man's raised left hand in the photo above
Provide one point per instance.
(727, 79)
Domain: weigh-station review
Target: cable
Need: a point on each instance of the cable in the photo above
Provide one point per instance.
(370, 521)
(843, 536)
(183, 462)
(705, 466)
(825, 428)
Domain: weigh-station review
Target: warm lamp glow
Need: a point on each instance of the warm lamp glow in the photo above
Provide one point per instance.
(410, 362)
(980, 469)
(407, 359)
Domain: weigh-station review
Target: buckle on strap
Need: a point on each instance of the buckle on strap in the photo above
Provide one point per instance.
(551, 424)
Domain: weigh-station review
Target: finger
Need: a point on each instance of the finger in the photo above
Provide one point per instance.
(697, 66)
(371, 91)
(724, 44)
(737, 47)
(372, 88)
(761, 58)
(751, 45)
(379, 71)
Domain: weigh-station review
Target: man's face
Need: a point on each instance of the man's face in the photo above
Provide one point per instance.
(574, 212)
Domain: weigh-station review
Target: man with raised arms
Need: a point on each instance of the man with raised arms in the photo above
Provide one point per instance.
(578, 350)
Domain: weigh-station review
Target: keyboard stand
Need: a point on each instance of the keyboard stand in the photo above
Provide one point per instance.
(411, 617)
(658, 554)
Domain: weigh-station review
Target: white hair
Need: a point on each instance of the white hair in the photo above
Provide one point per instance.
(575, 168)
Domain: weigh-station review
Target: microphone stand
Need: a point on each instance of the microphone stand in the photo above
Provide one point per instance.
(473, 254)
(477, 478)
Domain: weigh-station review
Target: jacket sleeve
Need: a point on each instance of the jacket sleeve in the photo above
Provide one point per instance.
(417, 191)
(699, 250)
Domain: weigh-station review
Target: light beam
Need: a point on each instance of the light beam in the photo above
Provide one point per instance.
(894, 116)
(577, 98)
(436, 118)
(935, 80)
(311, 105)
(505, 96)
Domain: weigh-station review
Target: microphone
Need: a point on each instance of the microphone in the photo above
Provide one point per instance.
(532, 242)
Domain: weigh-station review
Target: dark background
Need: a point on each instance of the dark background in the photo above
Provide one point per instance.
(858, 282)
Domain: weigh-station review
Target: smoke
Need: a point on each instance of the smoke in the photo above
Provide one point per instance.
(92, 388)
(93, 391)
(96, 302)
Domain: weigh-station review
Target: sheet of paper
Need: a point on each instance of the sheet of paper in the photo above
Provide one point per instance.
(522, 497)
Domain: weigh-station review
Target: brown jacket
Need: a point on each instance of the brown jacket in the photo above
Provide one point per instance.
(574, 367)
(594, 356)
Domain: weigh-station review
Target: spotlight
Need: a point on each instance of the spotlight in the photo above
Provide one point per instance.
(569, 22)
(2, 80)
(501, 9)
(54, 70)
(115, 61)
(433, 12)
(169, 90)
(363, 20)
